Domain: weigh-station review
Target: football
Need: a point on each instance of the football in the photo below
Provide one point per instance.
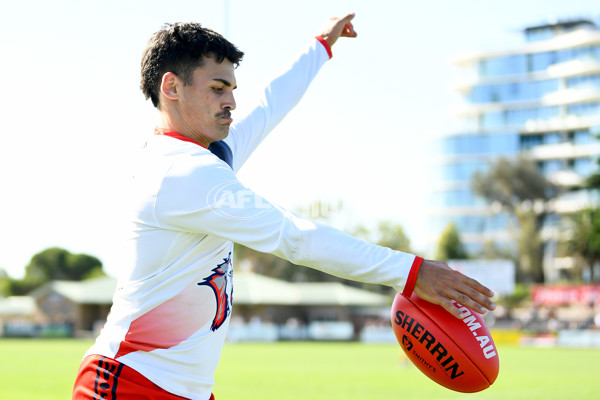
(459, 354)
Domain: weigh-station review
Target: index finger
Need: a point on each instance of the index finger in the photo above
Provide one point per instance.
(348, 17)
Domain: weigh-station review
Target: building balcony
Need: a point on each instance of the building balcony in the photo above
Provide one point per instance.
(567, 123)
(566, 178)
(567, 69)
(577, 38)
(570, 96)
(575, 201)
(571, 68)
(562, 97)
(563, 151)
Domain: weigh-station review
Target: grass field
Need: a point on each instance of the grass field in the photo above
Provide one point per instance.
(45, 369)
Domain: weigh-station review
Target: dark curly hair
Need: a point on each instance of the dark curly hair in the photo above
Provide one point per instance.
(181, 48)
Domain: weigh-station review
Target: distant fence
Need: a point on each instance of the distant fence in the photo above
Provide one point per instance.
(269, 332)
(566, 295)
(26, 330)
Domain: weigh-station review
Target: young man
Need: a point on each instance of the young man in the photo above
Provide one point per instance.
(171, 309)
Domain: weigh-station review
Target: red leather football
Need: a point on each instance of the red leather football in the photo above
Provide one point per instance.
(459, 354)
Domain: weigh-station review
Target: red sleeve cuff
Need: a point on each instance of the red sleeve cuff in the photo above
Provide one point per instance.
(326, 45)
(412, 277)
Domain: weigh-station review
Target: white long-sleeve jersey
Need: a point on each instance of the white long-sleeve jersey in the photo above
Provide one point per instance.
(174, 297)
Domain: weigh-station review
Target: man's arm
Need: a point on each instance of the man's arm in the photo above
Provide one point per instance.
(285, 91)
(210, 199)
(204, 196)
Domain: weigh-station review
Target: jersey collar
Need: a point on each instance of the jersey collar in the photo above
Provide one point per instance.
(176, 135)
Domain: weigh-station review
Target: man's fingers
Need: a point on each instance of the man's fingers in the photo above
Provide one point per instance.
(449, 306)
(348, 30)
(440, 284)
(471, 302)
(481, 306)
(338, 27)
(473, 299)
(478, 286)
(347, 18)
(468, 295)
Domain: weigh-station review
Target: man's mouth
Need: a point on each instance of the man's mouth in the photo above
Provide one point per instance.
(225, 116)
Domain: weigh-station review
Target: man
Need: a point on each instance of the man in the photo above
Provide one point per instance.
(171, 309)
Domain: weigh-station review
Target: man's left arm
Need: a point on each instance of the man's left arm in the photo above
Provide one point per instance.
(285, 91)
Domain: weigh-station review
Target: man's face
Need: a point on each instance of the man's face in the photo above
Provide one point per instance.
(205, 105)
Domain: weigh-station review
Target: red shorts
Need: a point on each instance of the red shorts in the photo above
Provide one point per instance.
(102, 378)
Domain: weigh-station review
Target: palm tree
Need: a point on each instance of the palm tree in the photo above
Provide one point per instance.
(584, 237)
(518, 186)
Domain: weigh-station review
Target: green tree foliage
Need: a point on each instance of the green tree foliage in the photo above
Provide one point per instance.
(54, 264)
(491, 251)
(593, 181)
(584, 237)
(449, 245)
(392, 235)
(518, 186)
(529, 246)
(511, 183)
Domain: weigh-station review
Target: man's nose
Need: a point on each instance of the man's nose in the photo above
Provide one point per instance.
(229, 103)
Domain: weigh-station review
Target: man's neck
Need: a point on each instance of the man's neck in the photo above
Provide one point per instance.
(169, 123)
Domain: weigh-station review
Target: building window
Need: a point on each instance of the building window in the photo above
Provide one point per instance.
(582, 137)
(521, 64)
(583, 166)
(550, 167)
(540, 61)
(552, 138)
(517, 117)
(584, 82)
(493, 144)
(530, 141)
(584, 109)
(516, 91)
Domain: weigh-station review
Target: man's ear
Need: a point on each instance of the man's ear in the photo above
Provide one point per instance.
(169, 86)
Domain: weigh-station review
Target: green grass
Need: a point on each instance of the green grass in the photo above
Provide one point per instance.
(45, 369)
(39, 369)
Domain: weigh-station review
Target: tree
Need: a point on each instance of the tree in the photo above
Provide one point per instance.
(513, 183)
(392, 235)
(55, 264)
(519, 188)
(593, 181)
(449, 245)
(584, 237)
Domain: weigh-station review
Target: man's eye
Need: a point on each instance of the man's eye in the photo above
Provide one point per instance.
(217, 89)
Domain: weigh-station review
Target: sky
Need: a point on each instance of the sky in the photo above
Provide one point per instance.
(72, 112)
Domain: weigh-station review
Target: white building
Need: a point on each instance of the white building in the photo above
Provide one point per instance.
(541, 99)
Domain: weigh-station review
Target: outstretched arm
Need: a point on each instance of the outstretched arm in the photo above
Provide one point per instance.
(285, 91)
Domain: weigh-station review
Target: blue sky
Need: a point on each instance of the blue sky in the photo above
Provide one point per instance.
(72, 111)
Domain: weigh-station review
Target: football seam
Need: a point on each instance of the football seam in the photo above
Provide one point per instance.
(452, 339)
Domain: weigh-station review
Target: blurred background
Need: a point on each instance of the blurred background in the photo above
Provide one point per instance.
(465, 131)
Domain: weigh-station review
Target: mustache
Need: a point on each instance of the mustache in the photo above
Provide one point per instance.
(225, 113)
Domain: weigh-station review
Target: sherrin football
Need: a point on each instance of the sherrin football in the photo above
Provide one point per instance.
(459, 354)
